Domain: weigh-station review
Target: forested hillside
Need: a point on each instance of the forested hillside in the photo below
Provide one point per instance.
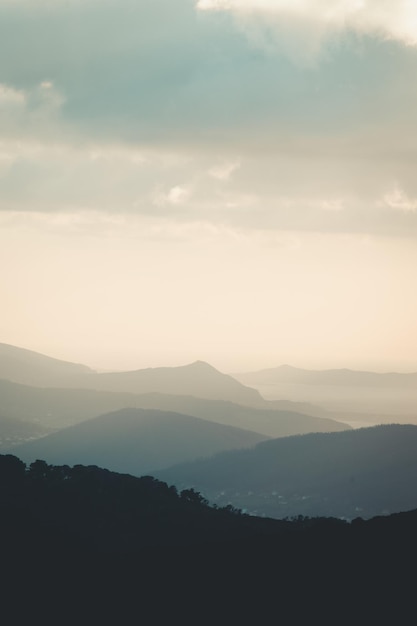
(94, 547)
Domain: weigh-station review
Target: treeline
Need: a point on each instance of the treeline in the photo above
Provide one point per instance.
(104, 510)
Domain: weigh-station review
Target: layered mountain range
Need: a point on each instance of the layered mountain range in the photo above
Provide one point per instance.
(196, 427)
(358, 397)
(197, 379)
(344, 377)
(137, 441)
(56, 394)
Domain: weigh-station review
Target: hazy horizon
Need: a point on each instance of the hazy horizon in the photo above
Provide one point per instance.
(130, 363)
(222, 180)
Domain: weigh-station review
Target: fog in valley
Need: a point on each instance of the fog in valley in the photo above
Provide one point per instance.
(361, 398)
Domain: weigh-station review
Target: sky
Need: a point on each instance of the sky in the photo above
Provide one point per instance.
(226, 180)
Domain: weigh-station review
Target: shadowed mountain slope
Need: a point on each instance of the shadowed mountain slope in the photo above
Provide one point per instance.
(365, 472)
(271, 422)
(14, 431)
(58, 408)
(137, 441)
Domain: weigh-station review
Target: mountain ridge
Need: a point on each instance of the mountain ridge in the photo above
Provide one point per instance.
(58, 408)
(137, 441)
(359, 472)
(343, 376)
(198, 378)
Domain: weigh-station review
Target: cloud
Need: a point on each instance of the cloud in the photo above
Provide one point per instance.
(175, 196)
(190, 80)
(224, 171)
(10, 97)
(157, 109)
(398, 200)
(268, 193)
(300, 27)
(30, 113)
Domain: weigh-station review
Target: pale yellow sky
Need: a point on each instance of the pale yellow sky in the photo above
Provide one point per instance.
(133, 294)
(225, 180)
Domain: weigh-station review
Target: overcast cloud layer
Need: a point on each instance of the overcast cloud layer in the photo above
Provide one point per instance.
(210, 121)
(162, 105)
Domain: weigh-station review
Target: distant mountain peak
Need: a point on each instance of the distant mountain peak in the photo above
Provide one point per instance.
(201, 365)
(195, 365)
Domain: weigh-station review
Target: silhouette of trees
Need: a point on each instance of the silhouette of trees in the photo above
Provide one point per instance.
(39, 470)
(194, 497)
(12, 470)
(95, 536)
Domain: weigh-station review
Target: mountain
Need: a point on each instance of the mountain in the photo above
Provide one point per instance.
(31, 368)
(137, 441)
(269, 421)
(366, 472)
(342, 377)
(58, 408)
(197, 379)
(357, 397)
(14, 431)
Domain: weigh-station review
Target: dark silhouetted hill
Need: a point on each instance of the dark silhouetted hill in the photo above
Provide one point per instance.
(366, 472)
(87, 546)
(137, 441)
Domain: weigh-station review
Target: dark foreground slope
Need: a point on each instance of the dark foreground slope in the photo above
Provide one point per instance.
(86, 546)
(137, 441)
(367, 472)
